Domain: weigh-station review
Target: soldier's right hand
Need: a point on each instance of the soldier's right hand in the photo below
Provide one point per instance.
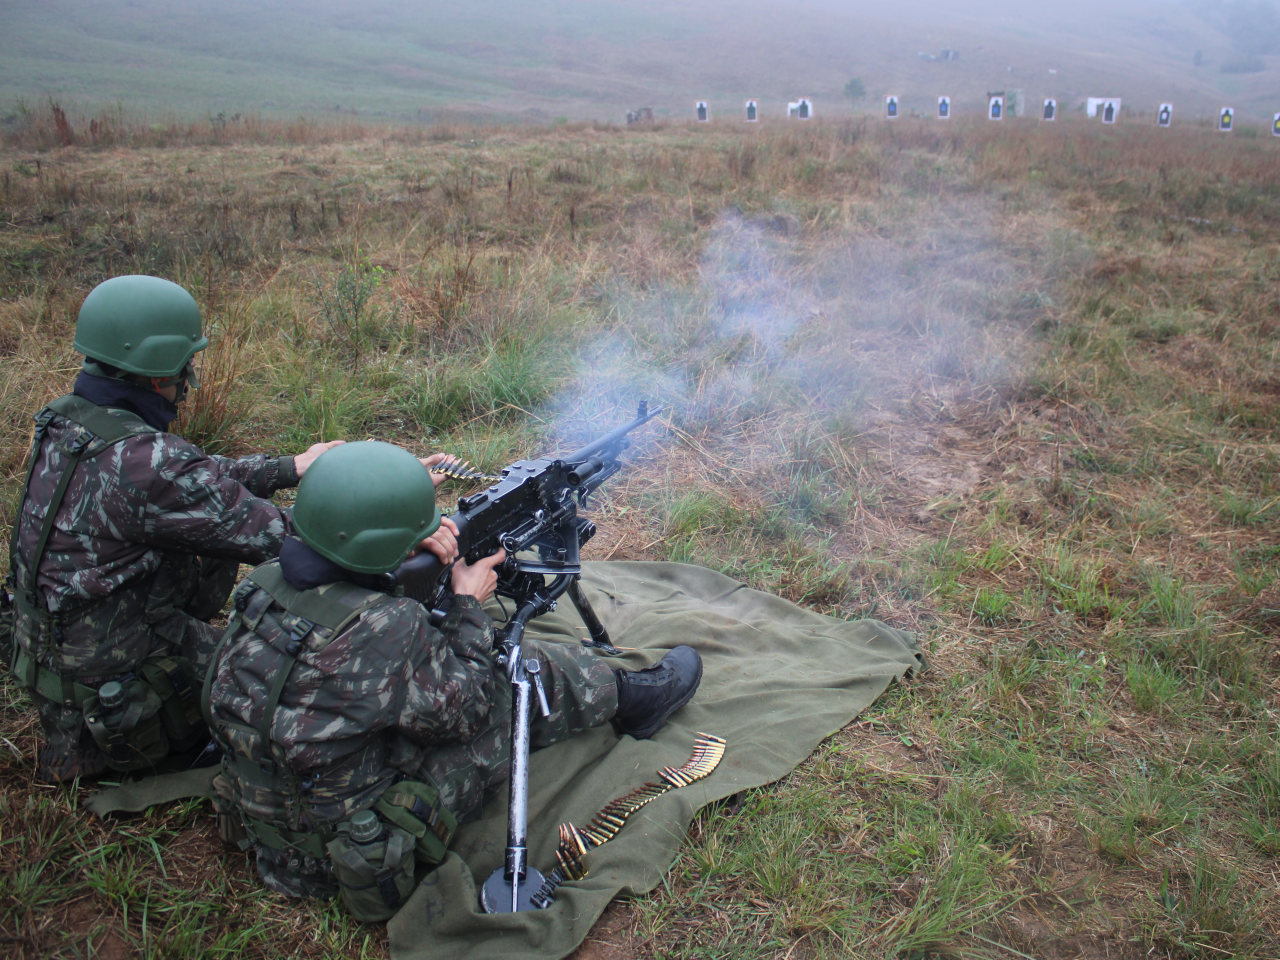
(478, 579)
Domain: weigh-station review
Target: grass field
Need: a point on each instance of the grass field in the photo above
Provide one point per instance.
(1010, 387)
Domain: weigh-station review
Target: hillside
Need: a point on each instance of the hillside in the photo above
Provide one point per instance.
(542, 60)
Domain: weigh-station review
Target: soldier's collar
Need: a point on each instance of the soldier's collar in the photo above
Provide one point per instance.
(154, 409)
(304, 569)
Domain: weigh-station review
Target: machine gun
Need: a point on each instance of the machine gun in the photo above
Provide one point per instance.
(531, 512)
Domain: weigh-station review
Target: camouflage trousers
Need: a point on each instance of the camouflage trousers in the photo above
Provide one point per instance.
(582, 693)
(69, 751)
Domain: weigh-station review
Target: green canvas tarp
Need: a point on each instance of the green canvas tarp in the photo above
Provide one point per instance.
(777, 680)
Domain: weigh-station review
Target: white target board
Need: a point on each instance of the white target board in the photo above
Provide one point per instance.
(944, 108)
(753, 111)
(1164, 116)
(1093, 106)
(1050, 110)
(1275, 125)
(995, 108)
(1110, 111)
(1226, 119)
(701, 112)
(891, 108)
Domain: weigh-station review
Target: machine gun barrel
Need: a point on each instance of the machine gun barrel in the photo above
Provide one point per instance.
(614, 437)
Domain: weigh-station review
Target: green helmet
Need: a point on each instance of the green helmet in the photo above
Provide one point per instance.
(365, 505)
(143, 325)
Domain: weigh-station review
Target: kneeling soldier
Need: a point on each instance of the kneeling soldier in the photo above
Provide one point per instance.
(128, 540)
(355, 734)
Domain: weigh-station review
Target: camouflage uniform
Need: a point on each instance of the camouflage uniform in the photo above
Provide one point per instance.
(144, 548)
(383, 698)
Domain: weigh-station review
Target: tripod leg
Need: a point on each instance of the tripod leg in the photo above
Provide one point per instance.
(510, 888)
(599, 635)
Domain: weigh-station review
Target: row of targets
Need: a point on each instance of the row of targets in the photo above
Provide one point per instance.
(801, 109)
(1107, 110)
(995, 107)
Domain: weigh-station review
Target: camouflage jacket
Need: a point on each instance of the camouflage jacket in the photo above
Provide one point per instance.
(122, 555)
(358, 709)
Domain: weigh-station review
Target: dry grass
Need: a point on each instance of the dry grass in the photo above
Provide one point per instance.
(1011, 387)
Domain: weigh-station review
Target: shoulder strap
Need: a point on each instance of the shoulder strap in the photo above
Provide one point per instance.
(99, 430)
(338, 605)
(37, 437)
(107, 425)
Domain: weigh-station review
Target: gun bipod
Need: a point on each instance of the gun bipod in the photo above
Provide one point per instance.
(599, 635)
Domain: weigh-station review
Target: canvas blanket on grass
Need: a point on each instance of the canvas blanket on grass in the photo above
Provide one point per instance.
(777, 679)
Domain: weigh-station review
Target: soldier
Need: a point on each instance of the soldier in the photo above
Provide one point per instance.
(128, 539)
(333, 698)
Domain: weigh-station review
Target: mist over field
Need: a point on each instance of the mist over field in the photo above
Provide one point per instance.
(542, 61)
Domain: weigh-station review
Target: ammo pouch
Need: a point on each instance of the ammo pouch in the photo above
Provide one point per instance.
(374, 878)
(173, 679)
(160, 715)
(230, 824)
(132, 735)
(416, 808)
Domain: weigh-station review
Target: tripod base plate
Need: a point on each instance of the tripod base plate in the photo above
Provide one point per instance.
(495, 895)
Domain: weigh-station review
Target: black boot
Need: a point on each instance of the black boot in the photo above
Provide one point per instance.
(647, 697)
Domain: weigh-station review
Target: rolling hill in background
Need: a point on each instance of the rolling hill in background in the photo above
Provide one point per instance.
(540, 60)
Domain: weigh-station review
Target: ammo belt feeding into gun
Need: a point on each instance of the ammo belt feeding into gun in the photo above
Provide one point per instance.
(456, 469)
(604, 826)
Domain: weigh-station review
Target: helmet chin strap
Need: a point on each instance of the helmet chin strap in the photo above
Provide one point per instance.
(183, 380)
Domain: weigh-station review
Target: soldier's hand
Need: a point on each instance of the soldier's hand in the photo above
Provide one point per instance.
(478, 579)
(431, 461)
(443, 543)
(304, 460)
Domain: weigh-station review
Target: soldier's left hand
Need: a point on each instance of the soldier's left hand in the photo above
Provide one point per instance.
(444, 542)
(304, 460)
(431, 461)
